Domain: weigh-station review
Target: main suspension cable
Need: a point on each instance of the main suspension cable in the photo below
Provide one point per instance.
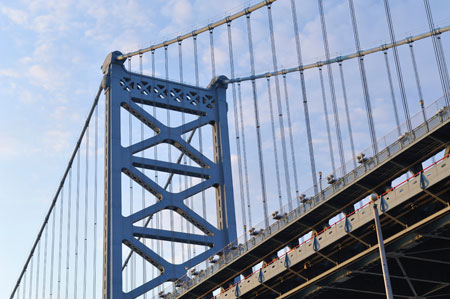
(347, 114)
(305, 98)
(258, 133)
(275, 148)
(332, 89)
(327, 121)
(391, 87)
(398, 67)
(365, 87)
(280, 109)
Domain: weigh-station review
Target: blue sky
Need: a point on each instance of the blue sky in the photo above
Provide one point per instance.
(52, 52)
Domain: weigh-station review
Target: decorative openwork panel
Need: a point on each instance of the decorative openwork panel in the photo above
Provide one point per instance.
(131, 92)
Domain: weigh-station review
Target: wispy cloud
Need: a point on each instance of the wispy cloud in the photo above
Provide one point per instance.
(18, 16)
(9, 73)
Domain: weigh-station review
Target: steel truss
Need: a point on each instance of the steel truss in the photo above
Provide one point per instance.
(131, 91)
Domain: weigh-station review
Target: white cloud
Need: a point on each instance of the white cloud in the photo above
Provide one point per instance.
(46, 76)
(28, 97)
(9, 73)
(179, 10)
(57, 140)
(18, 16)
(9, 147)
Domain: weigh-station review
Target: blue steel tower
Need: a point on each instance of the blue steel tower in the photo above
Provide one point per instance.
(130, 91)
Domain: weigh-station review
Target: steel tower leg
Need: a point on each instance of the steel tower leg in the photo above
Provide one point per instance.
(128, 90)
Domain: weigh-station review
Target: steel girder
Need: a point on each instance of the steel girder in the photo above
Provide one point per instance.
(130, 91)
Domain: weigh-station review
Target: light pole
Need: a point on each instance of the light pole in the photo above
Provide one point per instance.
(320, 185)
(384, 265)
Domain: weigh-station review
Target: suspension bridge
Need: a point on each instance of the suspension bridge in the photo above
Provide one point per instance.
(235, 189)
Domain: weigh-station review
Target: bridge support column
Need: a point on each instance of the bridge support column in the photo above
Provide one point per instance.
(128, 92)
(384, 265)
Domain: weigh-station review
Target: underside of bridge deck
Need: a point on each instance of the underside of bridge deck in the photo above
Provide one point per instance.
(417, 237)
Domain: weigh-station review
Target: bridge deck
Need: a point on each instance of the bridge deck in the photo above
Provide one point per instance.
(336, 255)
(375, 174)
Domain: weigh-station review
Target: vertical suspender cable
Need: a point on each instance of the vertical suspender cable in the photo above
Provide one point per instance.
(194, 40)
(44, 279)
(444, 67)
(52, 253)
(86, 210)
(61, 221)
(144, 262)
(169, 148)
(213, 73)
(236, 128)
(31, 278)
(305, 99)
(258, 133)
(416, 73)
(291, 138)
(200, 138)
(24, 285)
(332, 90)
(38, 267)
(419, 87)
(391, 87)
(155, 154)
(77, 222)
(439, 54)
(280, 109)
(347, 114)
(398, 68)
(94, 260)
(244, 152)
(365, 87)
(68, 233)
(327, 121)
(130, 142)
(275, 148)
(180, 63)
(211, 46)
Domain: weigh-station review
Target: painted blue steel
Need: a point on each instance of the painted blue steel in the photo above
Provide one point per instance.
(128, 90)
